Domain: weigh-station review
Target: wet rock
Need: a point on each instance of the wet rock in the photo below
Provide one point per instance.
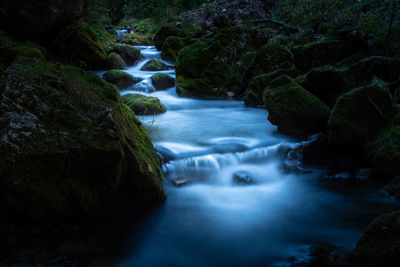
(155, 65)
(120, 78)
(116, 61)
(393, 188)
(293, 166)
(174, 29)
(129, 53)
(180, 181)
(138, 39)
(364, 173)
(144, 105)
(339, 176)
(162, 81)
(315, 151)
(243, 178)
(173, 45)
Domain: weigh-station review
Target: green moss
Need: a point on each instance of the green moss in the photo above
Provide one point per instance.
(129, 53)
(294, 110)
(143, 105)
(356, 117)
(162, 81)
(120, 78)
(180, 30)
(116, 61)
(154, 65)
(138, 39)
(173, 45)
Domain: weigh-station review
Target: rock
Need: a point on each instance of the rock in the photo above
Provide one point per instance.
(162, 81)
(384, 152)
(243, 178)
(379, 245)
(155, 65)
(143, 105)
(293, 166)
(74, 151)
(137, 39)
(316, 151)
(294, 110)
(341, 175)
(120, 78)
(393, 187)
(358, 116)
(116, 61)
(178, 30)
(180, 181)
(172, 46)
(364, 173)
(129, 53)
(80, 43)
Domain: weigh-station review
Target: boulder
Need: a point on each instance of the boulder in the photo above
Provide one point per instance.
(70, 150)
(144, 105)
(137, 39)
(155, 65)
(379, 245)
(120, 78)
(178, 30)
(172, 46)
(116, 61)
(358, 116)
(315, 151)
(384, 151)
(129, 53)
(294, 110)
(162, 81)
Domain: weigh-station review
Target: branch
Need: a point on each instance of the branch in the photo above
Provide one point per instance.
(376, 107)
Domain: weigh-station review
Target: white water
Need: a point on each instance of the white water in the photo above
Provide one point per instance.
(214, 222)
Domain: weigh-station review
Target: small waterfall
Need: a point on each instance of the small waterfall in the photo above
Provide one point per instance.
(121, 34)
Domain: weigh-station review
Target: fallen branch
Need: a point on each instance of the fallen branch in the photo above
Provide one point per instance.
(376, 108)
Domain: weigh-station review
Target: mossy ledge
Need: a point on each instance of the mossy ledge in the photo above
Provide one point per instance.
(70, 149)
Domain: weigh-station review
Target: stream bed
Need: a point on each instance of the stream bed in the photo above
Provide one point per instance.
(214, 220)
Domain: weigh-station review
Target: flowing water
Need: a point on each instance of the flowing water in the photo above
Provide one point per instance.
(213, 221)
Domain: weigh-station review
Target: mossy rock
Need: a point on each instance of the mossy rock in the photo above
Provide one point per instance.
(293, 109)
(162, 81)
(379, 245)
(120, 78)
(384, 152)
(257, 85)
(129, 53)
(270, 58)
(155, 64)
(144, 105)
(317, 53)
(179, 30)
(358, 116)
(138, 39)
(172, 46)
(197, 88)
(116, 61)
(84, 44)
(71, 151)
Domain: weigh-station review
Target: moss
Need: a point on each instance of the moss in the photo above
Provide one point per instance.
(143, 105)
(172, 46)
(120, 78)
(162, 81)
(379, 244)
(356, 117)
(257, 85)
(154, 65)
(179, 30)
(138, 39)
(384, 151)
(385, 68)
(129, 53)
(294, 110)
(116, 61)
(70, 149)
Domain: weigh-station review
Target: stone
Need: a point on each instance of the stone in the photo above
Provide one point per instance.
(120, 78)
(144, 105)
(116, 61)
(243, 178)
(180, 181)
(155, 65)
(129, 53)
(364, 173)
(162, 81)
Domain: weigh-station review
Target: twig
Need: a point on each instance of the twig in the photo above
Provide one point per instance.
(376, 108)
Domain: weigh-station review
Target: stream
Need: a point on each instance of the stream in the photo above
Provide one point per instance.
(213, 220)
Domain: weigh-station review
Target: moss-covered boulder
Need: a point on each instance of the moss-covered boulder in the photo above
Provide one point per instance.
(172, 46)
(257, 85)
(120, 78)
(293, 109)
(384, 152)
(317, 53)
(70, 150)
(138, 39)
(162, 81)
(84, 44)
(379, 246)
(175, 29)
(116, 61)
(129, 53)
(155, 64)
(359, 115)
(144, 105)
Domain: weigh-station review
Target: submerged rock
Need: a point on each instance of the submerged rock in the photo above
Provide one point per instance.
(120, 78)
(180, 181)
(293, 166)
(70, 150)
(243, 178)
(162, 81)
(155, 65)
(144, 105)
